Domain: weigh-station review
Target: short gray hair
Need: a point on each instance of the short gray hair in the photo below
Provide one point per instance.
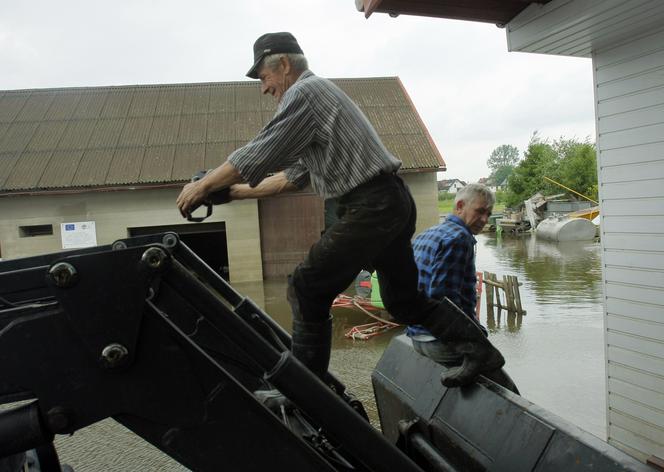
(297, 61)
(471, 191)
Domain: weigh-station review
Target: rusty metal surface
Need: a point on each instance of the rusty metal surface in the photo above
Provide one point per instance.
(152, 134)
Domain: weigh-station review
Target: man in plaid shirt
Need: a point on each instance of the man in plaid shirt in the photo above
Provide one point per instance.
(445, 257)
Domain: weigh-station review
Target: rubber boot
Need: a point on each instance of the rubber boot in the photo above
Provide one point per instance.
(503, 379)
(312, 343)
(476, 360)
(449, 324)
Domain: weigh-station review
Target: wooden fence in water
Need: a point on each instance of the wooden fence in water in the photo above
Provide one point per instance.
(502, 295)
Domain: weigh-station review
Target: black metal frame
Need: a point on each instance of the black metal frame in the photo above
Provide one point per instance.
(145, 332)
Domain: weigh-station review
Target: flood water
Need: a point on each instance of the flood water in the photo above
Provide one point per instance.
(555, 353)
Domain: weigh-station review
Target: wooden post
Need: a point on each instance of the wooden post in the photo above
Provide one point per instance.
(489, 294)
(517, 297)
(499, 303)
(478, 289)
(509, 293)
(511, 321)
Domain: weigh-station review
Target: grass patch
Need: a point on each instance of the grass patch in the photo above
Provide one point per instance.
(445, 206)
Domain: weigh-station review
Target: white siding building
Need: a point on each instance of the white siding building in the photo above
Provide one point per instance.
(451, 185)
(625, 39)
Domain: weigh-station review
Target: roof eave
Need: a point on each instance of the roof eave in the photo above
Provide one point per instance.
(499, 15)
(95, 189)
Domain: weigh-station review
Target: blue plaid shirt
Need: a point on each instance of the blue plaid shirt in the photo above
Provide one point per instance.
(445, 257)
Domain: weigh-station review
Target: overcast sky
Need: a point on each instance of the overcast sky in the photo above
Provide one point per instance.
(471, 93)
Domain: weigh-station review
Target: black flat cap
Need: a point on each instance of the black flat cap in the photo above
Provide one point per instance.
(272, 43)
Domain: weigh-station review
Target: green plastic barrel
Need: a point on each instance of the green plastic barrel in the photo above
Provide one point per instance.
(375, 292)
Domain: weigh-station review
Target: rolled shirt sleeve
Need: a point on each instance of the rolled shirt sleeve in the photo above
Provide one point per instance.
(288, 133)
(298, 175)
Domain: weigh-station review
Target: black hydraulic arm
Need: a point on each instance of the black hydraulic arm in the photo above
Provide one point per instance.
(144, 332)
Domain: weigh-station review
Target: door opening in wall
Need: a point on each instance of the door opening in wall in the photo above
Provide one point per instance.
(35, 230)
(207, 240)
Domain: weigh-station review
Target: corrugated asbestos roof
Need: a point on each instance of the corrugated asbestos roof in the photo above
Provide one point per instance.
(54, 139)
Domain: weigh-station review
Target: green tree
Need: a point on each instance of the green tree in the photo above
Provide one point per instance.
(504, 155)
(501, 174)
(570, 162)
(527, 178)
(578, 166)
(501, 195)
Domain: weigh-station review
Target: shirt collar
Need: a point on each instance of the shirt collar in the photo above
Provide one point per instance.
(458, 221)
(304, 75)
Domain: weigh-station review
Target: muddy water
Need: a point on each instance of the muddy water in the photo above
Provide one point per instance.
(555, 353)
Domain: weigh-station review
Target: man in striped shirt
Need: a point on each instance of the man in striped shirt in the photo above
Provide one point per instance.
(319, 136)
(445, 258)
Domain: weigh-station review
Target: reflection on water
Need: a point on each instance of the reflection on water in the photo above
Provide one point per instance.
(555, 353)
(568, 272)
(494, 320)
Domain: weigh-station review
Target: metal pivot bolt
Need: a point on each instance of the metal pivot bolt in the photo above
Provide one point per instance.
(154, 257)
(63, 274)
(114, 355)
(58, 419)
(119, 245)
(170, 240)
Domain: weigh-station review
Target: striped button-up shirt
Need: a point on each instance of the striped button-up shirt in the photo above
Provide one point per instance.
(445, 258)
(319, 136)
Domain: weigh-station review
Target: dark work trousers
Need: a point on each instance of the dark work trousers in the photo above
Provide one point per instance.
(374, 229)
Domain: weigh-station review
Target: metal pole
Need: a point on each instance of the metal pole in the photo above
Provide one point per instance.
(573, 191)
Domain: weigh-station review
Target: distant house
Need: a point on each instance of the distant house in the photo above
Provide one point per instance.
(112, 160)
(451, 185)
(491, 183)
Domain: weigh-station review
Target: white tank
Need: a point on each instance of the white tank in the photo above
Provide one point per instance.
(566, 229)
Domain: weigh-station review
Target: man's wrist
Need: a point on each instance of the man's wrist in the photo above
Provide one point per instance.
(202, 189)
(237, 191)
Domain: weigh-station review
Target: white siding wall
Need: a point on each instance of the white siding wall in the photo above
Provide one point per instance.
(629, 81)
(577, 27)
(625, 38)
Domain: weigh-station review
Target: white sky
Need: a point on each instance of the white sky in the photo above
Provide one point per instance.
(470, 92)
